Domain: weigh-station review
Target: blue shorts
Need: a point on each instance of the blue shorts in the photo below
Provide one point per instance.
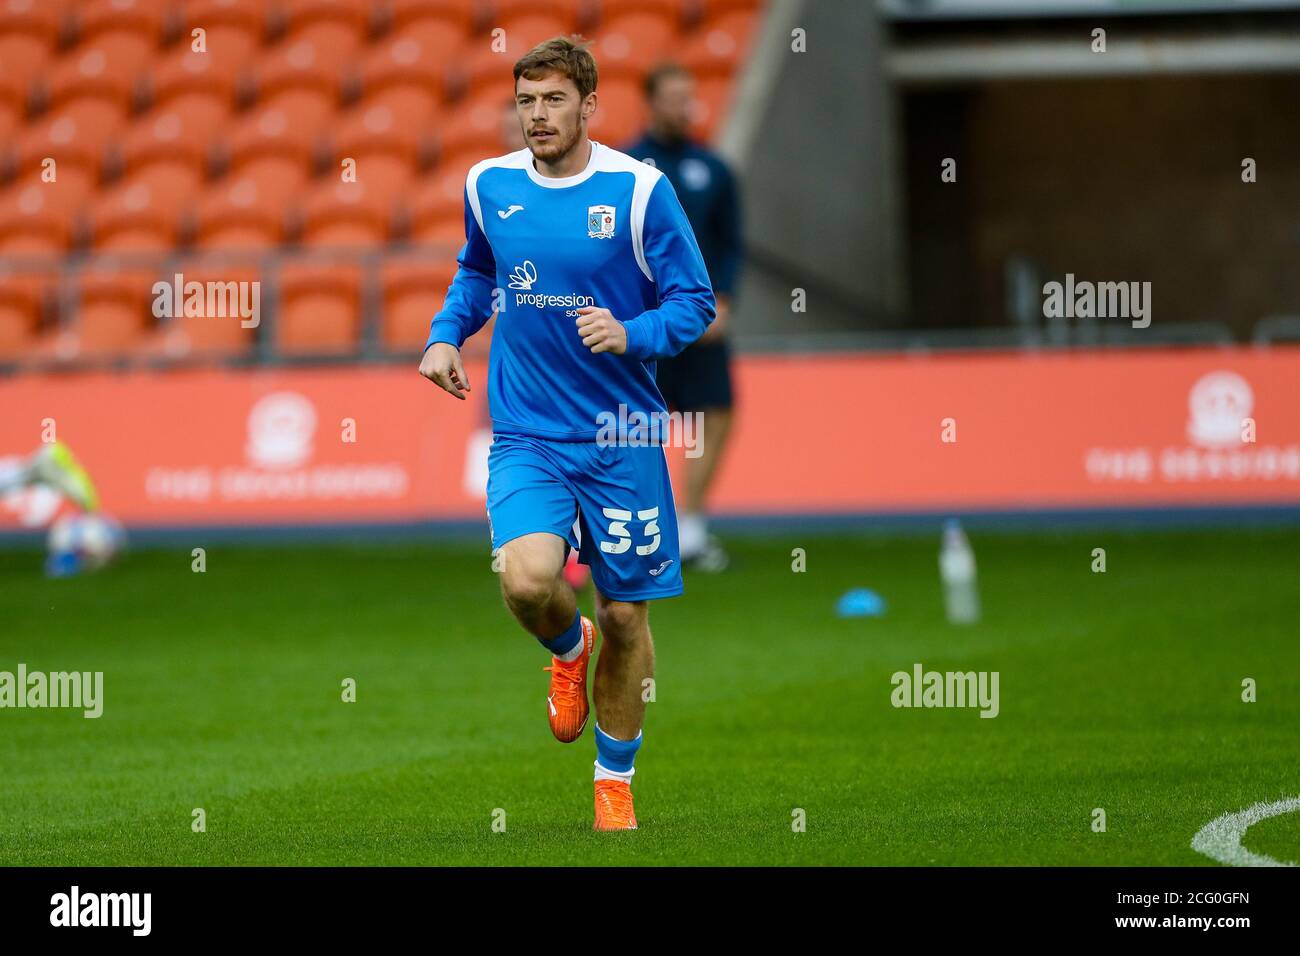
(620, 496)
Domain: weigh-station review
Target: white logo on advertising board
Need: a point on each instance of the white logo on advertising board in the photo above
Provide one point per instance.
(280, 430)
(1218, 402)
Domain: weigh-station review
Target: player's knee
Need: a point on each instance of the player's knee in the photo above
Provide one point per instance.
(622, 621)
(527, 587)
(530, 571)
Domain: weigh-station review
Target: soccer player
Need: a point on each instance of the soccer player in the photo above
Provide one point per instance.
(589, 262)
(52, 465)
(699, 379)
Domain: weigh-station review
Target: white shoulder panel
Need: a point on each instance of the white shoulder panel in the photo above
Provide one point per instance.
(612, 161)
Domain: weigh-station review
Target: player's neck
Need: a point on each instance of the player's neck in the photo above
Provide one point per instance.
(570, 164)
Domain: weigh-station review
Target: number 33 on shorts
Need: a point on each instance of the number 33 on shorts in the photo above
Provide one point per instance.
(618, 520)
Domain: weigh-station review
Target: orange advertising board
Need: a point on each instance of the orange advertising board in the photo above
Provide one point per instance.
(1046, 430)
(844, 433)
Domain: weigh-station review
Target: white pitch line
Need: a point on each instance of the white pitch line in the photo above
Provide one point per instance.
(1220, 839)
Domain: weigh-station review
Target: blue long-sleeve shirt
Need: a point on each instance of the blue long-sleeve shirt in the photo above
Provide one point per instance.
(537, 249)
(707, 189)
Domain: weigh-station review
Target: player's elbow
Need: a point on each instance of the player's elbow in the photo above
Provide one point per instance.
(707, 311)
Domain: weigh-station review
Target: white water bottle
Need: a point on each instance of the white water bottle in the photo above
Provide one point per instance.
(957, 569)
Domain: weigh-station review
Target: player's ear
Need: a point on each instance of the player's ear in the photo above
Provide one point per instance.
(589, 105)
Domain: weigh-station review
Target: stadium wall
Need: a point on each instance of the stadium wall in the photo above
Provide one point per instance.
(831, 436)
(814, 137)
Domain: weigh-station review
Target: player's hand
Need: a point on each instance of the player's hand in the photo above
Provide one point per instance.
(600, 331)
(441, 365)
(717, 329)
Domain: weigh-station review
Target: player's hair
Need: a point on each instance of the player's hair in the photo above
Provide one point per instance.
(660, 73)
(567, 56)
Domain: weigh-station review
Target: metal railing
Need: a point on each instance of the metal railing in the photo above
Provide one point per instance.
(371, 347)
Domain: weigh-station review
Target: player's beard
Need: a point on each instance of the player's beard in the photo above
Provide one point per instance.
(557, 146)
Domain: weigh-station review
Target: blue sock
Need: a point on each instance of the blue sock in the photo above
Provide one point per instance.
(613, 755)
(565, 641)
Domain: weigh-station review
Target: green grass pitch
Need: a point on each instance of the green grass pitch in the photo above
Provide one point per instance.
(1119, 691)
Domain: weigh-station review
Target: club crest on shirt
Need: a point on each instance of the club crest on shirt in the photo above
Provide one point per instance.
(600, 222)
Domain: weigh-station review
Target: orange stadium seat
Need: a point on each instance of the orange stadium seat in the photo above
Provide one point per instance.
(95, 85)
(25, 299)
(636, 37)
(114, 308)
(436, 213)
(75, 152)
(187, 337)
(35, 219)
(108, 65)
(719, 44)
(44, 18)
(76, 135)
(113, 314)
(239, 213)
(300, 78)
(337, 28)
(414, 290)
(413, 294)
(149, 19)
(620, 112)
(171, 137)
(707, 9)
(579, 14)
(486, 69)
(136, 120)
(440, 45)
(296, 62)
(340, 213)
(383, 142)
(232, 29)
(275, 147)
(712, 100)
(407, 75)
(193, 81)
(473, 129)
(141, 213)
(320, 308)
(428, 17)
(13, 108)
(532, 17)
(29, 34)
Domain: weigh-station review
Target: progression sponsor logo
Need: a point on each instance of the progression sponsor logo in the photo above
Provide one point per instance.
(540, 300)
(523, 277)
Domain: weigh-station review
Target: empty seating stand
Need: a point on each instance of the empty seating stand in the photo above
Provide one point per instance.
(318, 147)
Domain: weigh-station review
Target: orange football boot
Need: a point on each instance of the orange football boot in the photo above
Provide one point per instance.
(614, 806)
(566, 706)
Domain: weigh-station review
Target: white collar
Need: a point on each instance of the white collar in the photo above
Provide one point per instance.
(559, 183)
